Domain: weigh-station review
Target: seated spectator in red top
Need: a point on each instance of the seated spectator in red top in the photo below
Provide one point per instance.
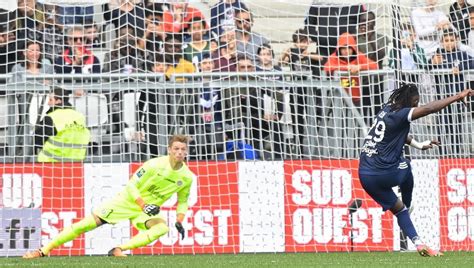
(348, 59)
(176, 19)
(77, 58)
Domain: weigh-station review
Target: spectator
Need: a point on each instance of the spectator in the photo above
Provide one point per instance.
(275, 94)
(412, 56)
(53, 36)
(91, 35)
(449, 56)
(459, 17)
(154, 38)
(175, 59)
(348, 59)
(214, 45)
(177, 18)
(223, 16)
(77, 58)
(300, 59)
(31, 63)
(62, 136)
(248, 41)
(210, 99)
(210, 112)
(157, 63)
(198, 45)
(372, 44)
(427, 22)
(29, 15)
(225, 58)
(29, 20)
(326, 22)
(75, 14)
(125, 58)
(8, 47)
(250, 103)
(265, 59)
(156, 9)
(470, 39)
(131, 15)
(298, 56)
(149, 104)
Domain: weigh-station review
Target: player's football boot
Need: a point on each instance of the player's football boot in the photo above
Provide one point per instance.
(33, 254)
(116, 252)
(425, 251)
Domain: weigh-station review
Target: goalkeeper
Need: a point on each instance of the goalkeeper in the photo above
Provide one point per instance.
(151, 185)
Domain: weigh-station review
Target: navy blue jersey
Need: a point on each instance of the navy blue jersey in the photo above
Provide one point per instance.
(383, 146)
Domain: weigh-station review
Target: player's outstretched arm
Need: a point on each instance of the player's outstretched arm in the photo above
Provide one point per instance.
(438, 105)
(425, 145)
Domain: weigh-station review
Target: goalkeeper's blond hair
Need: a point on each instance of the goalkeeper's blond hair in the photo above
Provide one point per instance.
(178, 138)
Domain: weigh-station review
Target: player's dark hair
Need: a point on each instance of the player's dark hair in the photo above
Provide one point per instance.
(198, 20)
(402, 96)
(450, 32)
(178, 138)
(265, 46)
(243, 9)
(61, 94)
(301, 35)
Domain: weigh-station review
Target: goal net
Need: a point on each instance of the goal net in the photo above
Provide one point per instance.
(276, 96)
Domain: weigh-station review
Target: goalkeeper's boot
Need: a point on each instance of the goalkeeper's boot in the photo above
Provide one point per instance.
(116, 252)
(33, 254)
(425, 251)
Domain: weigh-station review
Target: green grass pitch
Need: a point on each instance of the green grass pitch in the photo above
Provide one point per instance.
(372, 259)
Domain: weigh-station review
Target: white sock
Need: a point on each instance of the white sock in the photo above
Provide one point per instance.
(417, 241)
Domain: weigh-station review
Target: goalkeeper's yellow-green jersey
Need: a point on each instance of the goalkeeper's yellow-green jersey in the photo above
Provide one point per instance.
(155, 182)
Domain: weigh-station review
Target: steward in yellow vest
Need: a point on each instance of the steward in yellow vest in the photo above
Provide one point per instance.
(62, 136)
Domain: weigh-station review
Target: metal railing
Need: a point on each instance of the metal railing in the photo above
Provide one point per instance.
(333, 127)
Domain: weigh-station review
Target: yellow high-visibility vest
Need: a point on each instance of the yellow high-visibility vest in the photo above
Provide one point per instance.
(71, 140)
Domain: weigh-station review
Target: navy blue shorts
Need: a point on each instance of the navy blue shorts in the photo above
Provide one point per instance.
(379, 187)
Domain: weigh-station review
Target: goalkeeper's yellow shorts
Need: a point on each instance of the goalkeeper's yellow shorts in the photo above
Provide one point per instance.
(119, 209)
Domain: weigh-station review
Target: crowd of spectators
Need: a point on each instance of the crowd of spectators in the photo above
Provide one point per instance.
(176, 38)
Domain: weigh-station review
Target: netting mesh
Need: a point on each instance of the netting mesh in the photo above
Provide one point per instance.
(291, 87)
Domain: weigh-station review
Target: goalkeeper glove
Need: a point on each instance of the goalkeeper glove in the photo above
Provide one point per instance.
(148, 209)
(151, 210)
(180, 229)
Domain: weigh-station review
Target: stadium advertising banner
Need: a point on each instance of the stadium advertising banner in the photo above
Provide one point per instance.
(277, 206)
(318, 195)
(55, 190)
(456, 184)
(212, 221)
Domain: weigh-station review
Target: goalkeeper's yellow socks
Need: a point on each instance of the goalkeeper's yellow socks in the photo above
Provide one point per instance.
(146, 237)
(71, 232)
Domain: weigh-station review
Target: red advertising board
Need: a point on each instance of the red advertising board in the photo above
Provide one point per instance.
(317, 197)
(456, 184)
(57, 189)
(212, 222)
